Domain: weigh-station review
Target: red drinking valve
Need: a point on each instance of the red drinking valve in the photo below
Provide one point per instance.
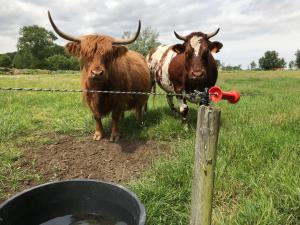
(216, 95)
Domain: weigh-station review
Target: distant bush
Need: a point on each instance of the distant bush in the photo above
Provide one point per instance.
(58, 62)
(231, 68)
(5, 61)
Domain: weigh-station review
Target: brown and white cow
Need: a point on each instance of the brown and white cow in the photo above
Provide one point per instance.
(108, 66)
(183, 68)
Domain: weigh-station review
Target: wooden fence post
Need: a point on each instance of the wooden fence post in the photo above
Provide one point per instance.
(208, 123)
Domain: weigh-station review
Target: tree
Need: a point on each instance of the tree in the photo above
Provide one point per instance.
(147, 40)
(22, 60)
(58, 62)
(61, 62)
(73, 64)
(270, 60)
(5, 61)
(36, 43)
(297, 62)
(291, 64)
(253, 65)
(57, 50)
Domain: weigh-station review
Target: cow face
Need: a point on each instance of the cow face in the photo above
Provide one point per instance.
(197, 50)
(96, 52)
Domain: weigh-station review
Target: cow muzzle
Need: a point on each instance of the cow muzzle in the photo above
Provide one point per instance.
(96, 74)
(198, 74)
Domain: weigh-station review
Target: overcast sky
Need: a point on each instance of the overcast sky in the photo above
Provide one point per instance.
(248, 27)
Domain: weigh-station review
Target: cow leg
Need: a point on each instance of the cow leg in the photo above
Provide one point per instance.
(145, 108)
(99, 133)
(115, 135)
(139, 114)
(183, 109)
(171, 105)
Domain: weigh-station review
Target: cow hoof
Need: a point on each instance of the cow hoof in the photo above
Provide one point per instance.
(114, 138)
(185, 124)
(97, 137)
(142, 124)
(185, 127)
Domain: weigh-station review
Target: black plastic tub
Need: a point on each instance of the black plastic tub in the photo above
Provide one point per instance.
(64, 202)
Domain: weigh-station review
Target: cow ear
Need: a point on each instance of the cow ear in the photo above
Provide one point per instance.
(215, 46)
(73, 48)
(118, 50)
(178, 48)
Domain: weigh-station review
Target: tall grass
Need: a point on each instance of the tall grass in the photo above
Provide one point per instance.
(258, 165)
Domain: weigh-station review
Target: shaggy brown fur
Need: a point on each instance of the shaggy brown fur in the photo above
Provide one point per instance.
(123, 70)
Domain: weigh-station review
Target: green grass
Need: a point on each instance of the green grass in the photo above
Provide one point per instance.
(258, 165)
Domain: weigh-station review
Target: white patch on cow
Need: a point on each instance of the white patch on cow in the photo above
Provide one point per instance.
(153, 62)
(195, 43)
(158, 65)
(183, 106)
(165, 80)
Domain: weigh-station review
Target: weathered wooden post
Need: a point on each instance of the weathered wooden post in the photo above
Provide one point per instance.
(208, 124)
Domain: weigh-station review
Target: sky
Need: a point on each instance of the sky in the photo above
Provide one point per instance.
(248, 28)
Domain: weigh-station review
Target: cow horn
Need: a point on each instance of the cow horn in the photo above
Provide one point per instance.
(209, 35)
(59, 32)
(123, 41)
(183, 38)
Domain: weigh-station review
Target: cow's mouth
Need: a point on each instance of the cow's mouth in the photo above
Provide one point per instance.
(193, 77)
(197, 74)
(96, 78)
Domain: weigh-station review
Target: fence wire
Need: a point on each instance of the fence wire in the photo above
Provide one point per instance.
(193, 95)
(99, 91)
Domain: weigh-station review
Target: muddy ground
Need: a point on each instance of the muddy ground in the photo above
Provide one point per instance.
(70, 157)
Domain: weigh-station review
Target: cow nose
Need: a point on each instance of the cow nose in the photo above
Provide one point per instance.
(197, 73)
(96, 73)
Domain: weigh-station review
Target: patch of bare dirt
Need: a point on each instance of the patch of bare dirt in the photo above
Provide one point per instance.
(69, 157)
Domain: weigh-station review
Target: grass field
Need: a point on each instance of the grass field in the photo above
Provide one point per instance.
(258, 165)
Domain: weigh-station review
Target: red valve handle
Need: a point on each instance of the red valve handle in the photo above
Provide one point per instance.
(216, 95)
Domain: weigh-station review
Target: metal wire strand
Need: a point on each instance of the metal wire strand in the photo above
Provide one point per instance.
(98, 91)
(193, 95)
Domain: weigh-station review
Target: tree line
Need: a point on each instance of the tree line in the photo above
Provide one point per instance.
(36, 50)
(271, 60)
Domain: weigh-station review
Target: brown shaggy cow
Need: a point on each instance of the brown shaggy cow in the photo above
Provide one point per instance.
(108, 66)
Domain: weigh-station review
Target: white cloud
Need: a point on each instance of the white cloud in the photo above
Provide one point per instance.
(248, 27)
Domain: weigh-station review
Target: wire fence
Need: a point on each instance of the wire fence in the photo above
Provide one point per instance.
(99, 91)
(193, 95)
